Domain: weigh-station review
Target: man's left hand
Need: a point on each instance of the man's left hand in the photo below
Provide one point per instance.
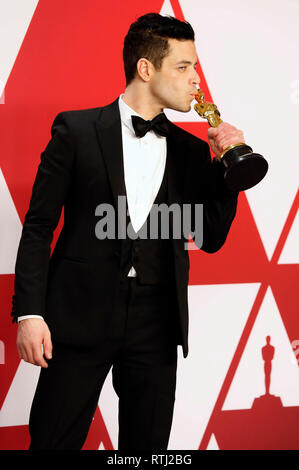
(223, 136)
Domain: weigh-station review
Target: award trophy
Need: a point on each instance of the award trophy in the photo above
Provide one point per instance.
(243, 168)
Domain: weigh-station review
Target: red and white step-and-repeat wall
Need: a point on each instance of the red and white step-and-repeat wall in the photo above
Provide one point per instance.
(57, 55)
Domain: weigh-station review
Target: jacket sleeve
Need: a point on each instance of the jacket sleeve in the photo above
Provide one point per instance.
(49, 193)
(207, 186)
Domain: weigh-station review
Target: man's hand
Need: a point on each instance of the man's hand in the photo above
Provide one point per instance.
(223, 136)
(32, 334)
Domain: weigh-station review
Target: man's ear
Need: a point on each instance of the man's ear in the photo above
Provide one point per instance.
(145, 69)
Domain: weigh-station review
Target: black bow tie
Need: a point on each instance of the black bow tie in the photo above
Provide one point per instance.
(159, 124)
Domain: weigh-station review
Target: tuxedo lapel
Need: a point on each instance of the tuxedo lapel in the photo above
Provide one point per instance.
(108, 126)
(176, 166)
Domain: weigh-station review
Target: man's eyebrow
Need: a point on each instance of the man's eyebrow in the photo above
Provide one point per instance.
(187, 62)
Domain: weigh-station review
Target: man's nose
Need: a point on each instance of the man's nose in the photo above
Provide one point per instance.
(196, 79)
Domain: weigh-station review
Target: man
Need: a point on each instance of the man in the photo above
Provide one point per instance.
(118, 302)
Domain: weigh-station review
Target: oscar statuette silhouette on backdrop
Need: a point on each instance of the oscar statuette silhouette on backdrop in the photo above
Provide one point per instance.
(267, 401)
(243, 168)
(267, 425)
(268, 354)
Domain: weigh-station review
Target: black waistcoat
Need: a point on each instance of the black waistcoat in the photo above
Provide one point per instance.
(152, 258)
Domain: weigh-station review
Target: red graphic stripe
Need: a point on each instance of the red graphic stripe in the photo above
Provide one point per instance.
(286, 230)
(233, 366)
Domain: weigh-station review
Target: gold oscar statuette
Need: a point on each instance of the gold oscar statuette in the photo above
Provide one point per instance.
(243, 168)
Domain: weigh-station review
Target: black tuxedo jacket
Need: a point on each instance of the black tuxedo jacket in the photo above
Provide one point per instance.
(82, 167)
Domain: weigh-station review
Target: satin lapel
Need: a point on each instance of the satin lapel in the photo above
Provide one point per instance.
(176, 173)
(176, 166)
(108, 126)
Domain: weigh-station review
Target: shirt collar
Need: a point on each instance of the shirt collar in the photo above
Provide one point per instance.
(125, 114)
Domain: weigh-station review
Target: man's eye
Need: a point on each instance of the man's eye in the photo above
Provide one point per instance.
(182, 68)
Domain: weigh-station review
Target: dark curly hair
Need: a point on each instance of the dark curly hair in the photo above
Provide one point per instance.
(148, 38)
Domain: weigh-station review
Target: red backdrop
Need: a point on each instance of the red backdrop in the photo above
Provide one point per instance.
(71, 58)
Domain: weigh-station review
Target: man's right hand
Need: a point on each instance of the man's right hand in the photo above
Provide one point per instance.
(33, 333)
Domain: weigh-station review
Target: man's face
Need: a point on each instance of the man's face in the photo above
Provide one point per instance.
(172, 86)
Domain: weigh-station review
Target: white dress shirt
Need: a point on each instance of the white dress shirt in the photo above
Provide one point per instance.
(144, 165)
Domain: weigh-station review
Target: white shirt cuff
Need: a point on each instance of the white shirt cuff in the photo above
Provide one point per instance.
(24, 317)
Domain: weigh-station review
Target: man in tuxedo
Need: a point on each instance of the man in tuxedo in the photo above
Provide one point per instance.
(118, 302)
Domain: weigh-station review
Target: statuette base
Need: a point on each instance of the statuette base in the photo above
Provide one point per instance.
(243, 168)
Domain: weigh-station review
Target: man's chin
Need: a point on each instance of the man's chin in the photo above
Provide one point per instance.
(181, 109)
(186, 109)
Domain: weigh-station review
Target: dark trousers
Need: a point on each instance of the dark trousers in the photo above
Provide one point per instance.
(141, 348)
